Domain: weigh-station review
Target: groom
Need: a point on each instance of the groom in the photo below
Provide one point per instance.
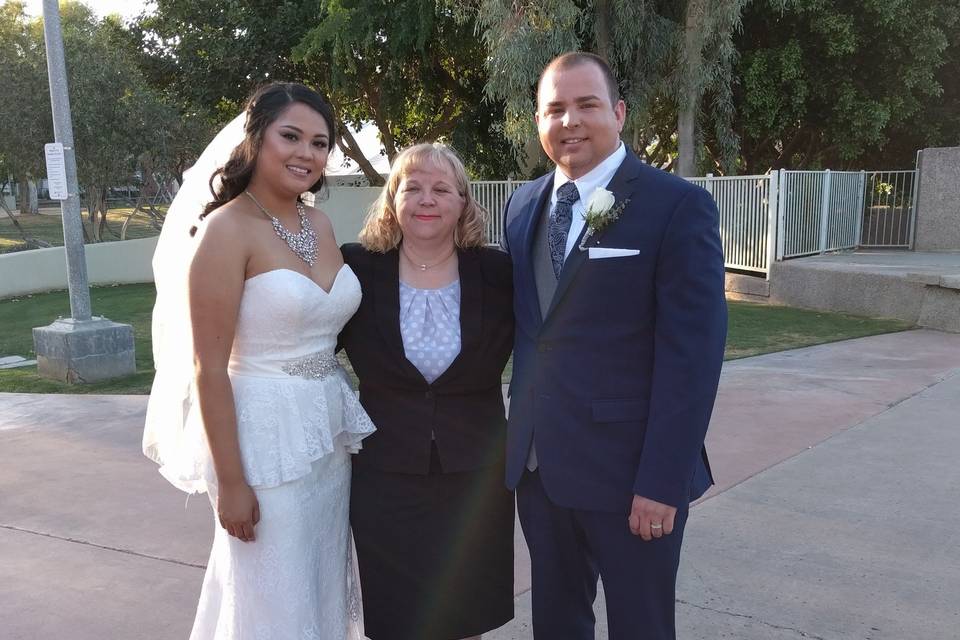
(620, 329)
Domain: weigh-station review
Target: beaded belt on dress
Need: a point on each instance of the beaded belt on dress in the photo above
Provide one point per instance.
(314, 366)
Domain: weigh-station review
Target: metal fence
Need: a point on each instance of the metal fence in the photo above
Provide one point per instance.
(889, 205)
(747, 206)
(492, 195)
(819, 211)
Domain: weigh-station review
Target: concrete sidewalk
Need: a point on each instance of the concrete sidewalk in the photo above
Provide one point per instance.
(834, 514)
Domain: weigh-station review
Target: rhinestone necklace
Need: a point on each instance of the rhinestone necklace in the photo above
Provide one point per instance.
(303, 244)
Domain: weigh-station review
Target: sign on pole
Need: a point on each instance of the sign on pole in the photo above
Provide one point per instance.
(56, 170)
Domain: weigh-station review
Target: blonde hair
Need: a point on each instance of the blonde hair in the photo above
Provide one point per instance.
(381, 230)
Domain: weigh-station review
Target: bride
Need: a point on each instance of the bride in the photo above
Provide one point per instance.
(249, 404)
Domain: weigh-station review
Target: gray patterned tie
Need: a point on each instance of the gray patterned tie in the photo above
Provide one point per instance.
(560, 219)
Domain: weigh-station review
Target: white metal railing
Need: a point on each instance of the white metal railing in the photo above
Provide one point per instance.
(819, 211)
(784, 214)
(747, 207)
(492, 195)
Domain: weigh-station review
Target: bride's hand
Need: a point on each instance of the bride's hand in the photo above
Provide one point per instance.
(238, 510)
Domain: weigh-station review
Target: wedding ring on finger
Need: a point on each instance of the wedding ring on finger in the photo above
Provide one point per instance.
(656, 526)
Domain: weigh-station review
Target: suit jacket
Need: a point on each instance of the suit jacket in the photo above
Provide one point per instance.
(463, 408)
(616, 380)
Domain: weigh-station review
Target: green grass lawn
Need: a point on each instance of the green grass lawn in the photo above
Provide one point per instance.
(48, 226)
(754, 329)
(130, 304)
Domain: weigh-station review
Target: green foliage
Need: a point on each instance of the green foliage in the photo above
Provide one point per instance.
(405, 65)
(414, 70)
(116, 115)
(826, 83)
(644, 42)
(213, 54)
(25, 120)
(120, 123)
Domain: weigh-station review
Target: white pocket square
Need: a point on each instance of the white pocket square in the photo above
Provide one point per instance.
(607, 252)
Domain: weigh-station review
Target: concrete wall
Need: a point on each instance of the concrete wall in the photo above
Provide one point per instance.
(129, 261)
(347, 208)
(938, 203)
(46, 269)
(797, 284)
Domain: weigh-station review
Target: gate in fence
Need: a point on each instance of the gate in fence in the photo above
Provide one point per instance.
(790, 214)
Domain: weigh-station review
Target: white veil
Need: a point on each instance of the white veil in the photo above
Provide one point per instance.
(171, 396)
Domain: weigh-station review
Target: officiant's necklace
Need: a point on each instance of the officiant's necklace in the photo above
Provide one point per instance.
(303, 244)
(422, 265)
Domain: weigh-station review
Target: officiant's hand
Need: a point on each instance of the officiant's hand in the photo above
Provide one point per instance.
(238, 510)
(650, 519)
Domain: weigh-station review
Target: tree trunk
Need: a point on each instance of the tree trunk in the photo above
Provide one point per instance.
(602, 29)
(93, 211)
(348, 144)
(686, 137)
(690, 97)
(102, 206)
(23, 194)
(29, 240)
(33, 200)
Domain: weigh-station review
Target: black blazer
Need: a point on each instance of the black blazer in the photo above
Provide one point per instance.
(463, 408)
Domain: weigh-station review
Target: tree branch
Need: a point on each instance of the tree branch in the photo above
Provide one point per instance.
(348, 144)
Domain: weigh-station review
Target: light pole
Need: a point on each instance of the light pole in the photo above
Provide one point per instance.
(82, 348)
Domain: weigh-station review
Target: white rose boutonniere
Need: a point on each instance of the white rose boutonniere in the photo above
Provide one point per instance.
(601, 210)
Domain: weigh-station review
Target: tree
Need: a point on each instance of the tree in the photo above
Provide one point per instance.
(116, 117)
(825, 83)
(25, 120)
(670, 58)
(415, 70)
(405, 65)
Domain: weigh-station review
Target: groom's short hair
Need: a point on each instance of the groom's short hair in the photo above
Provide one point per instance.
(577, 58)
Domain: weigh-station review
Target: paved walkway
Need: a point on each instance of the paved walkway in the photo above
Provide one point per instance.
(833, 516)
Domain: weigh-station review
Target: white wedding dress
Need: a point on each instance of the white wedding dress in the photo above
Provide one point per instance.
(298, 420)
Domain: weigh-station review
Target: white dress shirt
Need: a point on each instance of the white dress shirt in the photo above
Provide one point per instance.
(598, 177)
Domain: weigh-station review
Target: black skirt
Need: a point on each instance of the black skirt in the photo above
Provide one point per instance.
(435, 552)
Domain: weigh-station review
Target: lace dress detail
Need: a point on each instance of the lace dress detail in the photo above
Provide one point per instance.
(298, 420)
(287, 418)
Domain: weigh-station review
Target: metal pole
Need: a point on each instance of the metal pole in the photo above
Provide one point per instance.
(915, 201)
(781, 212)
(824, 211)
(861, 204)
(773, 218)
(63, 133)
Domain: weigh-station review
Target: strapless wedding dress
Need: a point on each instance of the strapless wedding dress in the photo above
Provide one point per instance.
(298, 420)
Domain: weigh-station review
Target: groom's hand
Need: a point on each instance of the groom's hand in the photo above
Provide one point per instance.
(646, 515)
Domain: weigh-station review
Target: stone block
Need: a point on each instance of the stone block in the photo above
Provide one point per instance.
(79, 352)
(874, 294)
(941, 309)
(748, 286)
(938, 202)
(950, 282)
(924, 278)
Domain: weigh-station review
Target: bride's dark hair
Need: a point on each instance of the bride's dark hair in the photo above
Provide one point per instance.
(263, 108)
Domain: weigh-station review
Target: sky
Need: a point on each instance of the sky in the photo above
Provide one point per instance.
(126, 8)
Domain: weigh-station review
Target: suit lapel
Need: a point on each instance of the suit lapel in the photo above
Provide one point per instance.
(622, 189)
(528, 231)
(471, 310)
(386, 302)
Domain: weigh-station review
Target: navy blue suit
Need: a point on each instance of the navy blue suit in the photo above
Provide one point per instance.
(615, 382)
